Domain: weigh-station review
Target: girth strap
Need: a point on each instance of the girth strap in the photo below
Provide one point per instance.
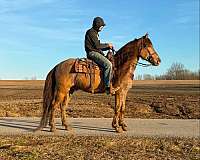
(88, 67)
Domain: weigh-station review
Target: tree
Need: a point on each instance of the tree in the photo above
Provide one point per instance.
(138, 77)
(34, 78)
(148, 77)
(176, 71)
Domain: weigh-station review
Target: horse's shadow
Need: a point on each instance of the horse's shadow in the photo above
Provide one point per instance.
(91, 128)
(22, 124)
(30, 126)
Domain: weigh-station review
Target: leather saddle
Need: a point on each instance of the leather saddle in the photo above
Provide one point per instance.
(84, 65)
(87, 66)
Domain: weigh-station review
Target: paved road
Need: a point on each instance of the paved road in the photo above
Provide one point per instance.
(102, 126)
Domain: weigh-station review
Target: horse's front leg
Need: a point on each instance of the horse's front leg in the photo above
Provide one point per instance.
(122, 112)
(115, 123)
(63, 108)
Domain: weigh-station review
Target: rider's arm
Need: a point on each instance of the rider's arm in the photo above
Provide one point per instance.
(97, 44)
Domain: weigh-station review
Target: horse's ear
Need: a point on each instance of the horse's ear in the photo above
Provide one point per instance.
(146, 35)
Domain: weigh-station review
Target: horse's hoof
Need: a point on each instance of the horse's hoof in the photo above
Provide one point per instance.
(114, 125)
(37, 129)
(124, 128)
(53, 130)
(68, 128)
(118, 129)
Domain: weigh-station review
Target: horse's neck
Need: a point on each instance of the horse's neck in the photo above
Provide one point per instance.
(125, 62)
(126, 57)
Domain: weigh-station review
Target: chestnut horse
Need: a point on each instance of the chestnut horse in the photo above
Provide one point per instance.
(61, 82)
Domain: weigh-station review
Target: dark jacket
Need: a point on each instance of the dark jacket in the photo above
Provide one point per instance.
(92, 42)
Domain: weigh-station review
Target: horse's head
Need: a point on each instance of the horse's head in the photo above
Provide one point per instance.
(147, 52)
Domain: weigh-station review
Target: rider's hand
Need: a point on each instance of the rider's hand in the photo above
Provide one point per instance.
(110, 45)
(102, 53)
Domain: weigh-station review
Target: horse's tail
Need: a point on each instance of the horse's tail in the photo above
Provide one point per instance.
(48, 94)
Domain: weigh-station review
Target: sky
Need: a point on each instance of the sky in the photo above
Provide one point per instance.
(37, 35)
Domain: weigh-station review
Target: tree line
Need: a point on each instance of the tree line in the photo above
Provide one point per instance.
(177, 71)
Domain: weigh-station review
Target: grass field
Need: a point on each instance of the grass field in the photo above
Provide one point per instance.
(147, 99)
(98, 147)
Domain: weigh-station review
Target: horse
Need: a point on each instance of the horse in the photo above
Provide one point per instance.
(61, 82)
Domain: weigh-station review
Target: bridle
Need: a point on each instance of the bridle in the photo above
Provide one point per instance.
(149, 57)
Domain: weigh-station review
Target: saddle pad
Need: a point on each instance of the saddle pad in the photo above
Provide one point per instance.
(85, 65)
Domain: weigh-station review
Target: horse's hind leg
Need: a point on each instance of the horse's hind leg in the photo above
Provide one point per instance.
(52, 119)
(55, 104)
(63, 111)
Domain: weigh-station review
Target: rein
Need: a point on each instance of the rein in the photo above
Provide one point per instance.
(143, 64)
(135, 64)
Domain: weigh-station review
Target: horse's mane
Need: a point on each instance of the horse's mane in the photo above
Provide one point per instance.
(125, 46)
(126, 52)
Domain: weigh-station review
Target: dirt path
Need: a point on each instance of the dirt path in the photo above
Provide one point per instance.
(102, 126)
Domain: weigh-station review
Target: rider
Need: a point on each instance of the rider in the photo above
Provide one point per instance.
(94, 50)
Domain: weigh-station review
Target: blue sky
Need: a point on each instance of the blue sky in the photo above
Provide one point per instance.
(36, 35)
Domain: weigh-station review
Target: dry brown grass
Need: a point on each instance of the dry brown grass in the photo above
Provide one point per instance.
(21, 82)
(166, 82)
(147, 99)
(152, 100)
(136, 82)
(97, 147)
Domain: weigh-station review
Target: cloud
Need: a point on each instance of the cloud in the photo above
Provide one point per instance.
(183, 20)
(56, 6)
(23, 38)
(187, 12)
(52, 25)
(17, 5)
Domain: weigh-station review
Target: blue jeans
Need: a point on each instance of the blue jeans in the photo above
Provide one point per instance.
(104, 63)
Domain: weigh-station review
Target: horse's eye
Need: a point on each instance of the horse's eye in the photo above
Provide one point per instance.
(145, 46)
